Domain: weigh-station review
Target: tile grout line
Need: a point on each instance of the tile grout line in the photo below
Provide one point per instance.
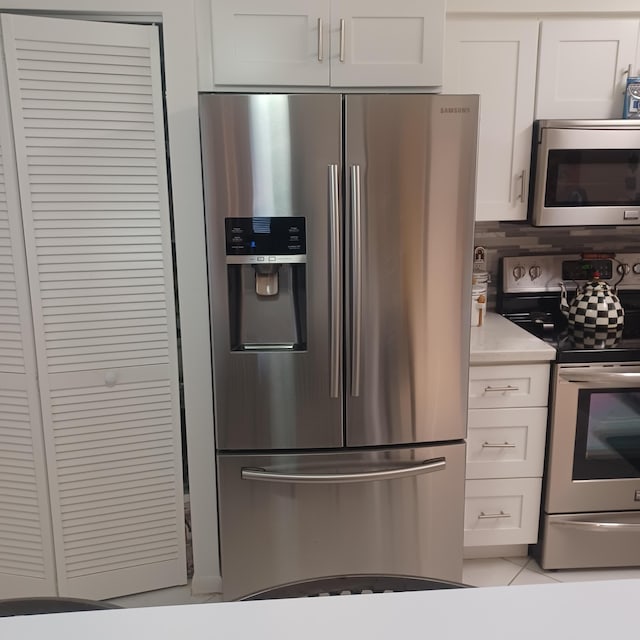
(522, 568)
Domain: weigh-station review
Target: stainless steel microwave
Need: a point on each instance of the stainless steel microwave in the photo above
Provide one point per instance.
(585, 172)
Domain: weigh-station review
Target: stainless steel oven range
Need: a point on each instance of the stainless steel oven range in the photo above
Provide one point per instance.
(591, 505)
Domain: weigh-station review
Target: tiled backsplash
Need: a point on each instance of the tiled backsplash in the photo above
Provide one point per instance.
(514, 239)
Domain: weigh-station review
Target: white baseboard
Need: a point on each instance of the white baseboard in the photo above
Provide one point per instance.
(498, 551)
(206, 584)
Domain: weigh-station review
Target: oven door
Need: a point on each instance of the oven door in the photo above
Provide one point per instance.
(594, 454)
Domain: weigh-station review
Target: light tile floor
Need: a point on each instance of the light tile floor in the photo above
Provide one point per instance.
(482, 572)
(493, 572)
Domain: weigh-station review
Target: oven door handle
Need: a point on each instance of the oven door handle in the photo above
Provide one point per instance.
(603, 379)
(590, 525)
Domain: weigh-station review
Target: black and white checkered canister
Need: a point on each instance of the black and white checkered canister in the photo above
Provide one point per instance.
(596, 309)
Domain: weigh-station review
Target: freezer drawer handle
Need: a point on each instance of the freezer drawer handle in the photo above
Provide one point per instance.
(498, 445)
(598, 526)
(504, 389)
(428, 466)
(493, 516)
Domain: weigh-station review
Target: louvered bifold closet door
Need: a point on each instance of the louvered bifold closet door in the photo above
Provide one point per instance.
(86, 104)
(26, 548)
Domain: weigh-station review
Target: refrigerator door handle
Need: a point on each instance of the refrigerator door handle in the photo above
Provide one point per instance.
(335, 285)
(427, 466)
(356, 279)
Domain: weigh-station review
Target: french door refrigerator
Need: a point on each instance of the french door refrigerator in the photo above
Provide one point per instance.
(339, 234)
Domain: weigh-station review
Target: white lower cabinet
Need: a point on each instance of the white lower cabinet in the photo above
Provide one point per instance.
(500, 512)
(505, 453)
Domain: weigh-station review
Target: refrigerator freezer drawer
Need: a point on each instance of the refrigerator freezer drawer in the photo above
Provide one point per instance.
(286, 517)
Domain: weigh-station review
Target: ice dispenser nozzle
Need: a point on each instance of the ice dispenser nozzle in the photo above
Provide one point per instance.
(267, 276)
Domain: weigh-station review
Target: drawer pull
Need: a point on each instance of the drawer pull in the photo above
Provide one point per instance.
(493, 516)
(497, 445)
(509, 387)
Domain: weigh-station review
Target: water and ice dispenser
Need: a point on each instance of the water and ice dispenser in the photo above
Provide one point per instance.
(266, 275)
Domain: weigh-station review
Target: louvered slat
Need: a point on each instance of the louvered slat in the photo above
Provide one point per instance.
(140, 502)
(26, 552)
(11, 352)
(87, 112)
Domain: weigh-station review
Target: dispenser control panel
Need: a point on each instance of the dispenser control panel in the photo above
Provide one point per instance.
(265, 239)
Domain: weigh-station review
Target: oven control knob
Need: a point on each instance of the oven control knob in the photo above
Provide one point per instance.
(535, 272)
(623, 269)
(518, 272)
(636, 268)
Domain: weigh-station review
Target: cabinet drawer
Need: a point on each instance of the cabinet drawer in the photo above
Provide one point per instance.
(500, 512)
(516, 385)
(506, 443)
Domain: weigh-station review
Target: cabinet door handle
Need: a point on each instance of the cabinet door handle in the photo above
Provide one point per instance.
(508, 387)
(497, 445)
(493, 516)
(341, 39)
(320, 41)
(521, 178)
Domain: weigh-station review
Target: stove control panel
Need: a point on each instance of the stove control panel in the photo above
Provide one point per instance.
(540, 274)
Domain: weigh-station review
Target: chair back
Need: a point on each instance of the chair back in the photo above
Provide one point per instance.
(33, 606)
(349, 584)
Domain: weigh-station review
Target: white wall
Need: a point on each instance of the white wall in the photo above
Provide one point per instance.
(543, 6)
(181, 72)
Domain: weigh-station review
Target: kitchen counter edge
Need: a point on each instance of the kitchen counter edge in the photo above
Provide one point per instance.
(499, 341)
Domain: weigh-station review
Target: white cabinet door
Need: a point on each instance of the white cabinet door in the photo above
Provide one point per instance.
(340, 43)
(26, 546)
(506, 443)
(500, 512)
(497, 59)
(283, 42)
(86, 106)
(582, 66)
(506, 386)
(380, 44)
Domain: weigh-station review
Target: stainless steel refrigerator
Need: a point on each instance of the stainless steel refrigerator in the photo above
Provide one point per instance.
(339, 234)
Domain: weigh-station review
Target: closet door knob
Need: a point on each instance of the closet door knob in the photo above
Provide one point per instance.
(110, 378)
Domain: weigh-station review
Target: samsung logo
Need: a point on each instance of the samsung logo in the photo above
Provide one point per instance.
(455, 110)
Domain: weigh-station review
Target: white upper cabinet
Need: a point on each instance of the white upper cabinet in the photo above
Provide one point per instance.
(340, 43)
(279, 43)
(583, 66)
(496, 58)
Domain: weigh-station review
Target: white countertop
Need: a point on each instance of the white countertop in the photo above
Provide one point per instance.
(500, 341)
(584, 610)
